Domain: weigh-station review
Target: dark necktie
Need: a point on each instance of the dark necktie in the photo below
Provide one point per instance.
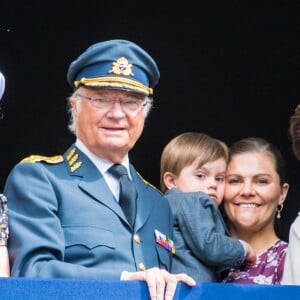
(127, 197)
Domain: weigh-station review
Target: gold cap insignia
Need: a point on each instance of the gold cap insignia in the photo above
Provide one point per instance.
(122, 67)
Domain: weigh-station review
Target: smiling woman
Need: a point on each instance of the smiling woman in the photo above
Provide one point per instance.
(255, 191)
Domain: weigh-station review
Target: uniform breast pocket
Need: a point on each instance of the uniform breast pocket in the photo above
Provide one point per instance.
(87, 245)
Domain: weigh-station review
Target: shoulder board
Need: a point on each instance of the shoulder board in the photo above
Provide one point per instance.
(48, 159)
(148, 183)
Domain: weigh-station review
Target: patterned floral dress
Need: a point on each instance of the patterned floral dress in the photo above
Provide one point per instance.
(267, 270)
(3, 221)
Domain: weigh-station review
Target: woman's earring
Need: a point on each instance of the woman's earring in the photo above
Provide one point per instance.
(278, 210)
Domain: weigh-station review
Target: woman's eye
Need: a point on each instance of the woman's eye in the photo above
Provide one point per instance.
(262, 180)
(232, 180)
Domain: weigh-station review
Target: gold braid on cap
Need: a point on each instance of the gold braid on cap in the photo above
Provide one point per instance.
(115, 82)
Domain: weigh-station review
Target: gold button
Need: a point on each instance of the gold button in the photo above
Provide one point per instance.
(137, 238)
(142, 267)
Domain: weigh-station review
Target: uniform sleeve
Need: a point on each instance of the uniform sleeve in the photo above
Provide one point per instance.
(197, 217)
(36, 243)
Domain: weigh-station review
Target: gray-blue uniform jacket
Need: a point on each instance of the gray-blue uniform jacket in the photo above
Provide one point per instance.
(203, 247)
(65, 223)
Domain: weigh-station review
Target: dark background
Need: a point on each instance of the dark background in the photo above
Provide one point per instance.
(228, 68)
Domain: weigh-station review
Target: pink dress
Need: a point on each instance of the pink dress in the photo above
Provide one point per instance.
(267, 270)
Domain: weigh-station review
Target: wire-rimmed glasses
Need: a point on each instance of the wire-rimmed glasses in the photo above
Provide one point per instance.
(129, 104)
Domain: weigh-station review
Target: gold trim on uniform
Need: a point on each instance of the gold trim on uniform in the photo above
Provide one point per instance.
(72, 159)
(71, 153)
(48, 159)
(76, 166)
(148, 183)
(115, 82)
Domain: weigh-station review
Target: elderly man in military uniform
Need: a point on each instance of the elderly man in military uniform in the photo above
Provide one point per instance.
(88, 213)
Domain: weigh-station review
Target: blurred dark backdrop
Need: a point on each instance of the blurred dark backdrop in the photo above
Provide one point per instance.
(228, 68)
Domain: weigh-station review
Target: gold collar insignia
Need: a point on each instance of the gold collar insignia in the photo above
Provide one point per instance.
(72, 159)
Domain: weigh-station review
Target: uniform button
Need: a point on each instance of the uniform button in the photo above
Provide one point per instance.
(137, 238)
(142, 267)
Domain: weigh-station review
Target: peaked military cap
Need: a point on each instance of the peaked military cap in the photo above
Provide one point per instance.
(115, 64)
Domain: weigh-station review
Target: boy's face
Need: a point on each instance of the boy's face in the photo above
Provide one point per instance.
(209, 178)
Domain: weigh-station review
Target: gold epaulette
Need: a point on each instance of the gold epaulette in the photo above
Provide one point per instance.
(148, 183)
(48, 159)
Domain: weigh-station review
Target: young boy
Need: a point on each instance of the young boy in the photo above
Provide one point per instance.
(192, 176)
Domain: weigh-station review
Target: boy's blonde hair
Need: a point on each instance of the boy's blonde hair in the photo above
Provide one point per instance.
(188, 148)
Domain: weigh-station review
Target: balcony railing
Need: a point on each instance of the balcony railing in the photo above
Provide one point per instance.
(68, 289)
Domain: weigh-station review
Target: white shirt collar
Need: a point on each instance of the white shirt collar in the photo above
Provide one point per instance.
(101, 164)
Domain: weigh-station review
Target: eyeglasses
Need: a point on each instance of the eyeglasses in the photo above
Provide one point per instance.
(128, 104)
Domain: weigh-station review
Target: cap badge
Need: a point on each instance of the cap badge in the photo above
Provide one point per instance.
(122, 67)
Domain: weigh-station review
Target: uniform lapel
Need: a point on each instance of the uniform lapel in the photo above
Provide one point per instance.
(91, 180)
(144, 202)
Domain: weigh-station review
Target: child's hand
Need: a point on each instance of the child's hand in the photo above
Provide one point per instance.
(250, 255)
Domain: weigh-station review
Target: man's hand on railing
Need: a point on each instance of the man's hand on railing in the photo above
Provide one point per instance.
(161, 284)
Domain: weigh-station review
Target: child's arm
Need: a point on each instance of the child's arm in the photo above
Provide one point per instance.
(203, 230)
(250, 253)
